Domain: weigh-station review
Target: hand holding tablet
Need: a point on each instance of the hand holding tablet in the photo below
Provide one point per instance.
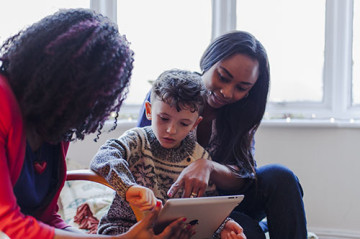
(207, 213)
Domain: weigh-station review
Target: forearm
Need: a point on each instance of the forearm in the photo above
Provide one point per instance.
(224, 178)
(66, 234)
(110, 163)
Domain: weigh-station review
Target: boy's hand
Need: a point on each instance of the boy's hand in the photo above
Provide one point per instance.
(144, 228)
(141, 197)
(232, 230)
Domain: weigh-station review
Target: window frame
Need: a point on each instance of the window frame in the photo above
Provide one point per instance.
(337, 94)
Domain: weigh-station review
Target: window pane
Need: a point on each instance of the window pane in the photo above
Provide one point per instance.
(356, 54)
(163, 34)
(18, 14)
(293, 33)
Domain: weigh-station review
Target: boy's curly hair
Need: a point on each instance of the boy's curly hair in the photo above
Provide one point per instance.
(68, 72)
(181, 89)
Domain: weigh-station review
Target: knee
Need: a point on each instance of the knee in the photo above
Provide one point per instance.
(279, 177)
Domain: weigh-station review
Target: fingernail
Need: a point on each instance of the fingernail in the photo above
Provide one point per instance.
(158, 203)
(184, 219)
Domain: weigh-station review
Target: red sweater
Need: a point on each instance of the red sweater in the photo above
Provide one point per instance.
(12, 152)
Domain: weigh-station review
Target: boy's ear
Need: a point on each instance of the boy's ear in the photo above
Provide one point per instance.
(197, 122)
(148, 110)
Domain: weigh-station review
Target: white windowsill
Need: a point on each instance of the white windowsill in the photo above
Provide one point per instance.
(315, 123)
(133, 110)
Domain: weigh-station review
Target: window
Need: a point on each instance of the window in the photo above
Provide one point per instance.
(309, 43)
(294, 43)
(18, 14)
(356, 55)
(164, 35)
(313, 46)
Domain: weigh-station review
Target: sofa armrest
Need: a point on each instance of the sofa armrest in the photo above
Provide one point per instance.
(87, 175)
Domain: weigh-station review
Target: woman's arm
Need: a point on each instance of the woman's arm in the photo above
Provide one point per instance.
(224, 178)
(142, 120)
(142, 229)
(13, 222)
(195, 178)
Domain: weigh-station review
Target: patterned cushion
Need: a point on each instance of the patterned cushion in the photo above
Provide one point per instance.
(75, 193)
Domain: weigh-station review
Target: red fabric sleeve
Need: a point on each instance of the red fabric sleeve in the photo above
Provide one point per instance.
(12, 150)
(12, 222)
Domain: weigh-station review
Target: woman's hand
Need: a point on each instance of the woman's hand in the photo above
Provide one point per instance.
(144, 228)
(232, 230)
(141, 197)
(194, 179)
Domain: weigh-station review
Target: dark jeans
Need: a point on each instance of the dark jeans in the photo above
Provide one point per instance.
(276, 195)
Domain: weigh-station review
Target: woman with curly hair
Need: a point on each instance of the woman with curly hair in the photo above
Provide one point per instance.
(59, 80)
(236, 72)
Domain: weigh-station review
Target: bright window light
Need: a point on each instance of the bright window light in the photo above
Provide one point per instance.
(18, 14)
(293, 33)
(164, 35)
(356, 55)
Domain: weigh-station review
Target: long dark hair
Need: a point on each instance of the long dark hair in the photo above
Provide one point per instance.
(236, 123)
(68, 72)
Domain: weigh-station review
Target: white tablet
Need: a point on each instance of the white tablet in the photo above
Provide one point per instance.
(206, 212)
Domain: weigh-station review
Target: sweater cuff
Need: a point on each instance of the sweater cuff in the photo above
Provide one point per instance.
(217, 234)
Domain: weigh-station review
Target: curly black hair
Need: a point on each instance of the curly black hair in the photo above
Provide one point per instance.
(181, 89)
(68, 72)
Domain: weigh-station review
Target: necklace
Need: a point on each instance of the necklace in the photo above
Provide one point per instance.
(38, 164)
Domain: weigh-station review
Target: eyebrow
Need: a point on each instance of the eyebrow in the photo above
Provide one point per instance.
(227, 72)
(187, 120)
(231, 76)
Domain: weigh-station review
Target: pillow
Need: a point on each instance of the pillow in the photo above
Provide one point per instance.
(75, 193)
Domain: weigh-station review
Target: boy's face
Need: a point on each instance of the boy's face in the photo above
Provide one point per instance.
(169, 125)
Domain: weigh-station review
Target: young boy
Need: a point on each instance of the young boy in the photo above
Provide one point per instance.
(144, 162)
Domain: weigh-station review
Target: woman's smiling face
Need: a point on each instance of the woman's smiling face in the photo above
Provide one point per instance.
(230, 80)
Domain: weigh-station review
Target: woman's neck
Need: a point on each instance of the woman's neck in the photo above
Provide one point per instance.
(209, 113)
(35, 140)
(204, 129)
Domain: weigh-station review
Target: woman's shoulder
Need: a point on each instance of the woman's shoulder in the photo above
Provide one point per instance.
(11, 129)
(10, 113)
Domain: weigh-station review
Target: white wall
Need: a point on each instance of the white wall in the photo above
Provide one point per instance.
(326, 160)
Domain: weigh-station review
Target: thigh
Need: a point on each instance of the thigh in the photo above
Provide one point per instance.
(277, 195)
(273, 184)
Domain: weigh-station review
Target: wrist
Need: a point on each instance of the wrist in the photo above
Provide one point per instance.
(130, 191)
(212, 169)
(221, 227)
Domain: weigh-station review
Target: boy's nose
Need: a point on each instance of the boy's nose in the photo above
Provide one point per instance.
(171, 129)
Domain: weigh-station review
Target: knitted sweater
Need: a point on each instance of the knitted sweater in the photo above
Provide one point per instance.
(138, 158)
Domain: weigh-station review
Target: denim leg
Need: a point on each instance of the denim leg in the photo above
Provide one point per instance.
(277, 194)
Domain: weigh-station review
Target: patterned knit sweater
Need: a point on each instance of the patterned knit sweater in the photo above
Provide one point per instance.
(138, 158)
